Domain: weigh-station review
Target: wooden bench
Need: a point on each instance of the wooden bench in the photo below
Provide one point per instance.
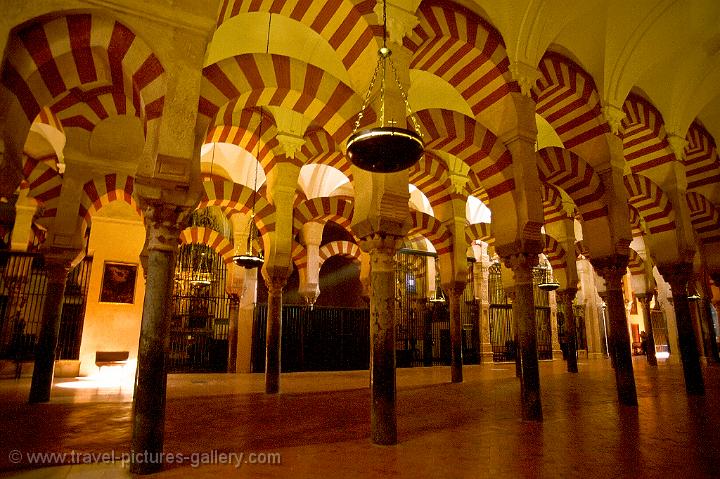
(111, 358)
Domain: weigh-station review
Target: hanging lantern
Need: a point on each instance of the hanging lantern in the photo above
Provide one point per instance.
(384, 149)
(251, 260)
(547, 282)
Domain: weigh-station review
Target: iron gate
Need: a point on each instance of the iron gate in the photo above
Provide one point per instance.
(201, 308)
(422, 334)
(502, 325)
(542, 316)
(660, 332)
(23, 284)
(318, 339)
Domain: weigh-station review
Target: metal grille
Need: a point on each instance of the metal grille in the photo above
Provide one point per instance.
(422, 331)
(422, 335)
(73, 311)
(542, 316)
(321, 339)
(23, 285)
(502, 325)
(660, 332)
(201, 308)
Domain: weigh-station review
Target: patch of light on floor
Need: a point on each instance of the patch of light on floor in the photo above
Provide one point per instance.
(662, 355)
(122, 377)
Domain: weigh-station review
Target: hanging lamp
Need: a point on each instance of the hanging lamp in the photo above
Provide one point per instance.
(384, 149)
(547, 282)
(251, 260)
(202, 275)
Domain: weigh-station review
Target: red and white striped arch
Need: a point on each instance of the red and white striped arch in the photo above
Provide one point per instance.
(299, 258)
(651, 203)
(322, 210)
(705, 217)
(432, 229)
(567, 98)
(236, 198)
(349, 27)
(244, 132)
(552, 204)
(262, 79)
(566, 170)
(489, 161)
(339, 248)
(47, 58)
(643, 133)
(431, 176)
(554, 252)
(701, 158)
(635, 224)
(636, 265)
(49, 118)
(99, 192)
(460, 47)
(208, 237)
(44, 184)
(479, 231)
(85, 109)
(320, 148)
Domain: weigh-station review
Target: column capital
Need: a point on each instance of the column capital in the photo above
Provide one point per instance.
(525, 75)
(678, 144)
(522, 265)
(611, 268)
(163, 222)
(275, 278)
(382, 250)
(59, 261)
(566, 294)
(614, 116)
(677, 275)
(400, 22)
(290, 143)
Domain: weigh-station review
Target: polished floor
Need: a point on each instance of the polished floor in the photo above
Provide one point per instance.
(223, 425)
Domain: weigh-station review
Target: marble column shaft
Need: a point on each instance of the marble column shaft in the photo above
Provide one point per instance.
(383, 388)
(151, 377)
(456, 353)
(645, 300)
(678, 275)
(566, 299)
(524, 315)
(233, 313)
(273, 336)
(42, 378)
(612, 269)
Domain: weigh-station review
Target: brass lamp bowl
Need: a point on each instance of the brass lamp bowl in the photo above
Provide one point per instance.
(384, 149)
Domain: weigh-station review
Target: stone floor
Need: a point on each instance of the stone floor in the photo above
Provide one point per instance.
(319, 426)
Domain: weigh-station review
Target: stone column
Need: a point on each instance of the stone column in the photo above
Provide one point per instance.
(383, 418)
(57, 269)
(565, 297)
(645, 300)
(612, 269)
(677, 275)
(524, 314)
(233, 315)
(273, 335)
(456, 356)
(148, 416)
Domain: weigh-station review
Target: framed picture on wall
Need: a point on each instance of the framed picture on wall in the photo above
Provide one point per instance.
(118, 283)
